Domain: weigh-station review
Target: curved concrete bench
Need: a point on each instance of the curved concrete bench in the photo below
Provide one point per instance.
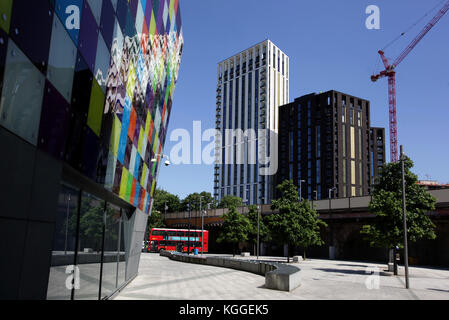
(278, 276)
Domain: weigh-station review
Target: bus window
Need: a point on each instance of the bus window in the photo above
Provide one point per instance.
(180, 233)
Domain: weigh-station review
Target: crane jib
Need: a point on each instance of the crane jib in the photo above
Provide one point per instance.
(391, 74)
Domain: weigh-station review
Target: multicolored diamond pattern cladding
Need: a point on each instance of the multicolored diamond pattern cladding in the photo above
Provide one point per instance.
(91, 82)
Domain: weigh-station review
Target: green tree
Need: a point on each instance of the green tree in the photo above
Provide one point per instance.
(296, 223)
(235, 229)
(264, 232)
(155, 220)
(162, 198)
(230, 201)
(194, 200)
(91, 223)
(386, 231)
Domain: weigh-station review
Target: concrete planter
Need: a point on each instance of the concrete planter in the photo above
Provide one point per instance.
(278, 276)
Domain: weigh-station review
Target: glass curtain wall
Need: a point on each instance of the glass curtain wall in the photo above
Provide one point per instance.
(90, 246)
(63, 255)
(89, 258)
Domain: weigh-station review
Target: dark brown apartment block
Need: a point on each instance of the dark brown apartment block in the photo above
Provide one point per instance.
(326, 143)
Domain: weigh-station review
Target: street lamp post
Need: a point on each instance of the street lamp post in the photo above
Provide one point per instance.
(404, 212)
(202, 227)
(202, 224)
(245, 203)
(331, 229)
(202, 234)
(188, 233)
(258, 225)
(157, 156)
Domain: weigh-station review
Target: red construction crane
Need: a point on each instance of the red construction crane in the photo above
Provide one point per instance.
(391, 74)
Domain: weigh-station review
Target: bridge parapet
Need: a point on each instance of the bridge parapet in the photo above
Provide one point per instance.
(323, 207)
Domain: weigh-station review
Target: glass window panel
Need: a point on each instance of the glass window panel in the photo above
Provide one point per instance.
(130, 28)
(3, 53)
(121, 273)
(353, 172)
(107, 22)
(90, 244)
(88, 37)
(95, 6)
(63, 253)
(117, 44)
(139, 17)
(23, 88)
(31, 25)
(75, 140)
(110, 173)
(54, 122)
(82, 86)
(125, 248)
(102, 63)
(361, 174)
(5, 14)
(122, 12)
(95, 115)
(61, 63)
(114, 4)
(111, 89)
(111, 254)
(90, 154)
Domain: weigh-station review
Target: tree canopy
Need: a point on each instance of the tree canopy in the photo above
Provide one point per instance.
(235, 229)
(230, 201)
(194, 200)
(386, 204)
(296, 223)
(162, 197)
(155, 220)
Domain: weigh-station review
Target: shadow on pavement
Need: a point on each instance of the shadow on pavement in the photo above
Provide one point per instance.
(439, 290)
(361, 272)
(352, 265)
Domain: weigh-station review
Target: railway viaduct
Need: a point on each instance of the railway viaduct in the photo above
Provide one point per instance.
(346, 217)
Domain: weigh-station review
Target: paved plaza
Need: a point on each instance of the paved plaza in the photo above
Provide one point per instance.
(160, 278)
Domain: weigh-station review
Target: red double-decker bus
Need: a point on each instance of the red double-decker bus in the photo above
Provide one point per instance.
(178, 240)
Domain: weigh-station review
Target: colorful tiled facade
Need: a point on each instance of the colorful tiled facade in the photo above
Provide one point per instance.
(91, 82)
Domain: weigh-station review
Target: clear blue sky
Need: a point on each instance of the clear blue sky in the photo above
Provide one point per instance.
(329, 48)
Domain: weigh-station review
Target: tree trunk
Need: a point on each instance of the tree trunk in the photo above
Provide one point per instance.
(304, 258)
(288, 253)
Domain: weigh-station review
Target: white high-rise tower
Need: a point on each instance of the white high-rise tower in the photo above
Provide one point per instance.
(251, 86)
